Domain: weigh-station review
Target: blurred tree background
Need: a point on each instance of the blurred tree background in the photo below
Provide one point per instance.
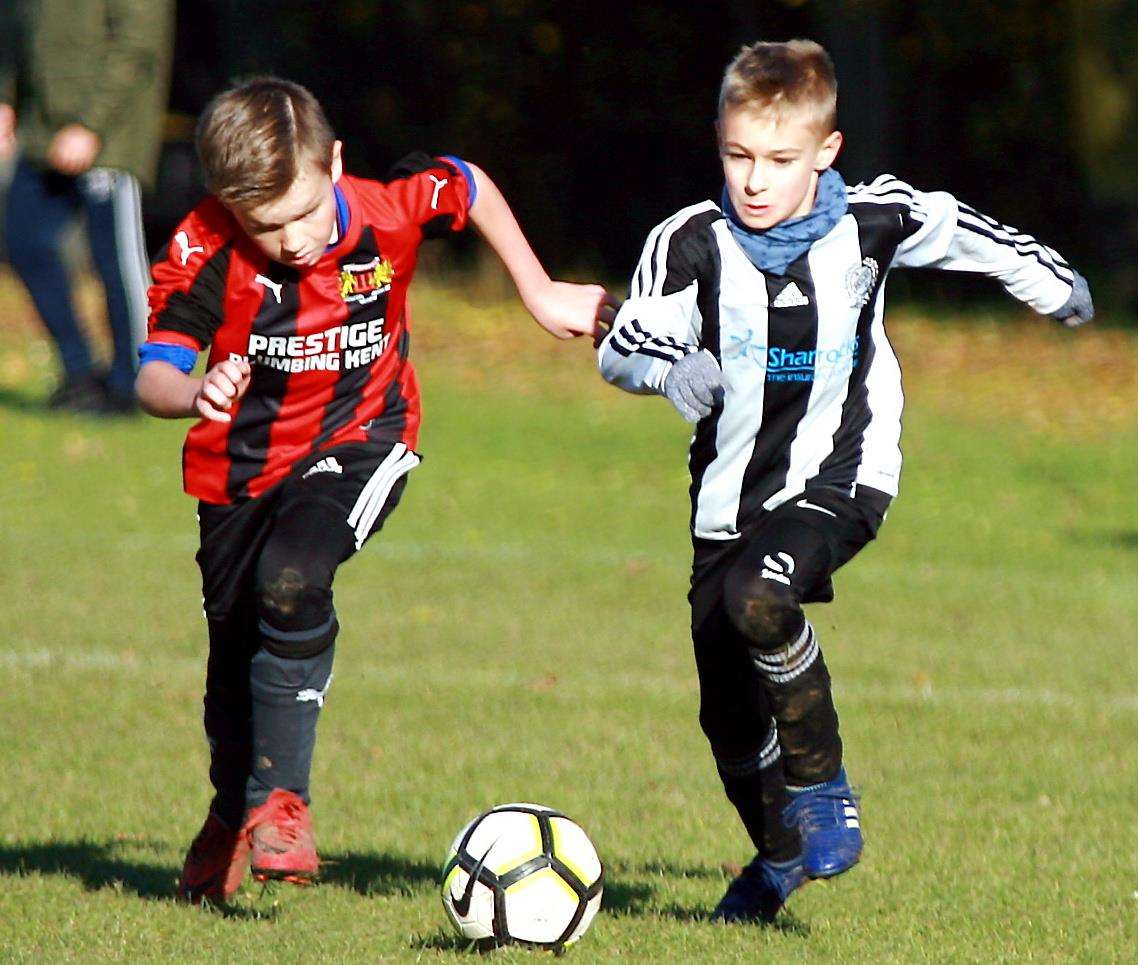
(596, 119)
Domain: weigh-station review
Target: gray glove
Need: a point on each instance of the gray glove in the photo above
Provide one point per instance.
(695, 385)
(1078, 309)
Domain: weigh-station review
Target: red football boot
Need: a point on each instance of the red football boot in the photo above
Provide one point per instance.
(215, 864)
(279, 832)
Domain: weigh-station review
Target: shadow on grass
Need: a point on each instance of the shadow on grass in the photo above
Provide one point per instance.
(444, 941)
(378, 874)
(634, 899)
(786, 923)
(667, 869)
(21, 402)
(621, 898)
(1123, 539)
(97, 865)
(102, 865)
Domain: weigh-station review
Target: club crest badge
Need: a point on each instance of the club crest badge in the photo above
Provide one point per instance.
(365, 283)
(860, 280)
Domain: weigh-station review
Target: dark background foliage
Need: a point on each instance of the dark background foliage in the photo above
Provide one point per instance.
(596, 119)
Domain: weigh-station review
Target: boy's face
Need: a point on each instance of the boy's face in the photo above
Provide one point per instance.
(772, 163)
(295, 228)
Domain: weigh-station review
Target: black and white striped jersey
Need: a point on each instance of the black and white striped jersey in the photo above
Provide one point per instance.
(813, 387)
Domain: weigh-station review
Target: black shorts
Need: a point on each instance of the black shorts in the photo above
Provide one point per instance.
(329, 505)
(801, 543)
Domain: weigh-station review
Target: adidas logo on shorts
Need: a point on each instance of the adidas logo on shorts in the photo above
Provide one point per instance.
(327, 464)
(790, 297)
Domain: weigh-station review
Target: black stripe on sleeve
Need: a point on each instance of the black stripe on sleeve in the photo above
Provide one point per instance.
(1003, 235)
(198, 312)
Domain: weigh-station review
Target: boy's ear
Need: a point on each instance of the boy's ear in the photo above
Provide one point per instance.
(337, 161)
(828, 152)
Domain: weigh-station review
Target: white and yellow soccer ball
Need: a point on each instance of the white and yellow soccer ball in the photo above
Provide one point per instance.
(522, 873)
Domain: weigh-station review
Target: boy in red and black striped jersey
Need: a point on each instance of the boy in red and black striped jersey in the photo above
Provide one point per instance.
(294, 276)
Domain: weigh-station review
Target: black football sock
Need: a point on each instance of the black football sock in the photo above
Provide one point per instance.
(227, 713)
(287, 696)
(797, 685)
(755, 784)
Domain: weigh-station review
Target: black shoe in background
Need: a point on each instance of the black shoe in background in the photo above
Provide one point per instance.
(79, 393)
(118, 403)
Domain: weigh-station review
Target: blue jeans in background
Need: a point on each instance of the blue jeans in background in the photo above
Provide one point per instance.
(41, 204)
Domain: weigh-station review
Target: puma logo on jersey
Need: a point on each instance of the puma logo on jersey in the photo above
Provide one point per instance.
(790, 297)
(276, 286)
(183, 241)
(778, 567)
(327, 464)
(439, 185)
(311, 693)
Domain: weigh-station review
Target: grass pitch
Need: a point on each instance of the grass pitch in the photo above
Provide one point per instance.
(518, 632)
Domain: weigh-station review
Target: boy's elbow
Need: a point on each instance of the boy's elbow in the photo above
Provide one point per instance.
(144, 392)
(157, 390)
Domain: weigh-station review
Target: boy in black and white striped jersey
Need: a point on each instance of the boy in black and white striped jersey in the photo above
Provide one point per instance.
(760, 318)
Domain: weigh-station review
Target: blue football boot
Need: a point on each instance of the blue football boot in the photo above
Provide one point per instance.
(759, 891)
(827, 819)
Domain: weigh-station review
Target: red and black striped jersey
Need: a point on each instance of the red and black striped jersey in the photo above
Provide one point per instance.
(327, 345)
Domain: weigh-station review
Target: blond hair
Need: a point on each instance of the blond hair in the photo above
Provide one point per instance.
(794, 76)
(253, 138)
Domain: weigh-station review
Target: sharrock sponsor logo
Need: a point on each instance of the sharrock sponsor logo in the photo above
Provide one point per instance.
(786, 365)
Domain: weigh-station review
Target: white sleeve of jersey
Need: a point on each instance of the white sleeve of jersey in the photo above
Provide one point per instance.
(650, 333)
(954, 237)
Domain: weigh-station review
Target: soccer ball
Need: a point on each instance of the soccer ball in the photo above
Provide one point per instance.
(522, 873)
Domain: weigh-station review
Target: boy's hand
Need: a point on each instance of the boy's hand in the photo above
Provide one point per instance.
(1078, 309)
(566, 310)
(694, 385)
(223, 385)
(73, 149)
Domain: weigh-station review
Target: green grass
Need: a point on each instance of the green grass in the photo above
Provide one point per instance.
(519, 632)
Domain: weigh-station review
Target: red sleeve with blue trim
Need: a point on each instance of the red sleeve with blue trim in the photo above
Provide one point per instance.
(188, 290)
(436, 193)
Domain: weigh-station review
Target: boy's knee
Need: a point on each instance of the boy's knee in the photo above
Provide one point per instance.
(294, 604)
(764, 611)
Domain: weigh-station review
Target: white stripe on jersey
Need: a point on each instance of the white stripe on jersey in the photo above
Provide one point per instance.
(881, 444)
(743, 332)
(814, 440)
